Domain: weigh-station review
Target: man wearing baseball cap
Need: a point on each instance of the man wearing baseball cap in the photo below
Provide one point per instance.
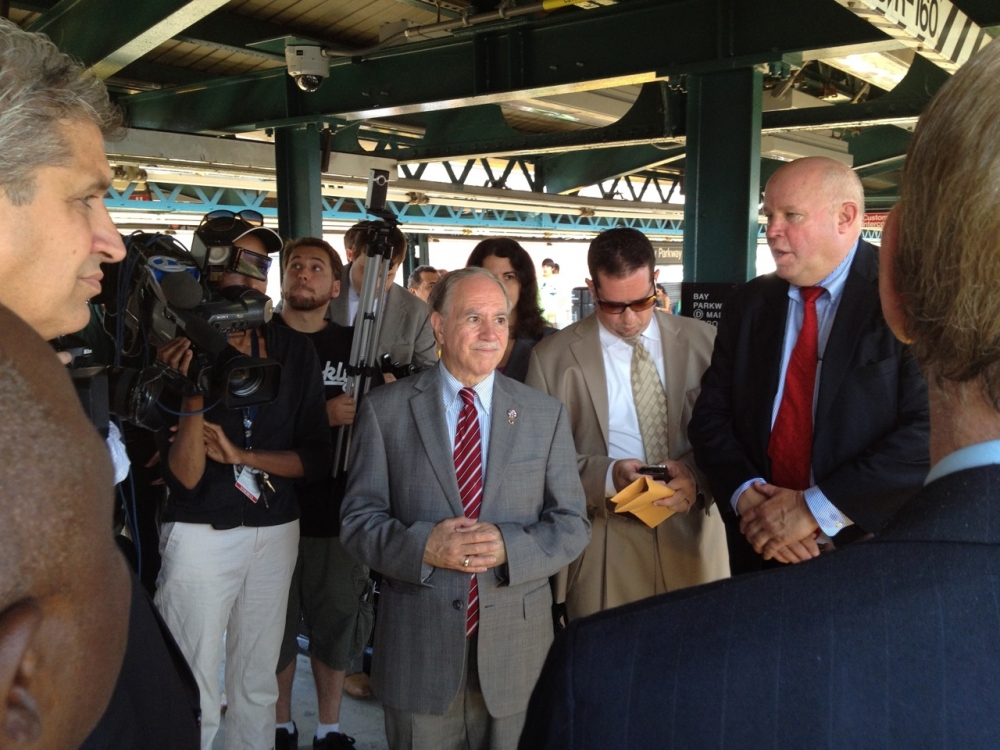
(230, 534)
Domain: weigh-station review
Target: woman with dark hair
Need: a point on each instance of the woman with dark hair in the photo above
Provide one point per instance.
(510, 263)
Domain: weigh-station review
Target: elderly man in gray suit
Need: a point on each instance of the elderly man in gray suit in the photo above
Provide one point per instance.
(480, 503)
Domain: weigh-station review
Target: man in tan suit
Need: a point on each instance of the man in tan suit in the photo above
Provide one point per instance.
(589, 366)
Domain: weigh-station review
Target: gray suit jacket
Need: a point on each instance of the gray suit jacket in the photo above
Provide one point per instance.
(532, 493)
(406, 332)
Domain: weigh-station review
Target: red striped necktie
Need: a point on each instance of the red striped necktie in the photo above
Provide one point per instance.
(469, 472)
(790, 446)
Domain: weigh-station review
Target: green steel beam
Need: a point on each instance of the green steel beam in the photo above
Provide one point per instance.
(906, 101)
(82, 28)
(722, 176)
(297, 158)
(162, 75)
(983, 12)
(876, 145)
(564, 173)
(233, 32)
(565, 52)
(881, 167)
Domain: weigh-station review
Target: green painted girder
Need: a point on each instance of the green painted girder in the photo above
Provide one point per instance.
(83, 29)
(229, 31)
(164, 75)
(564, 173)
(906, 101)
(983, 12)
(881, 167)
(564, 52)
(874, 146)
(656, 115)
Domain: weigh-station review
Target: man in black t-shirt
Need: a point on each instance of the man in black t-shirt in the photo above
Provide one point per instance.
(329, 582)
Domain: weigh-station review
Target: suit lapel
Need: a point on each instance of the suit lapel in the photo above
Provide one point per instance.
(391, 319)
(503, 436)
(767, 332)
(589, 341)
(428, 414)
(856, 306)
(339, 304)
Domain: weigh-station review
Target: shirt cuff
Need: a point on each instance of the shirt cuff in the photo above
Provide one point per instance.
(426, 569)
(609, 483)
(741, 489)
(831, 521)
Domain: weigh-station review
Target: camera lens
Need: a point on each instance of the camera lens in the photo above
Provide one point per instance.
(244, 381)
(309, 83)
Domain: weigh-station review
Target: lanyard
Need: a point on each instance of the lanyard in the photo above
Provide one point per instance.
(250, 412)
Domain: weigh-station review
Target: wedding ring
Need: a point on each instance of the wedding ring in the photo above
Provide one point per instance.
(465, 563)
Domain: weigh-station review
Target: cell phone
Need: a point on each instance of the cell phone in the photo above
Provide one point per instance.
(656, 471)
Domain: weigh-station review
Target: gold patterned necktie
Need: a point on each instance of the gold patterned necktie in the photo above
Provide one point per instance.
(650, 402)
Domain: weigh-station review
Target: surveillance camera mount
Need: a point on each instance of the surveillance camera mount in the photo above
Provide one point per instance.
(308, 65)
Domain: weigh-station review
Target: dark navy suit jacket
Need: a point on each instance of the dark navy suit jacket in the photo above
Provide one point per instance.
(870, 435)
(893, 642)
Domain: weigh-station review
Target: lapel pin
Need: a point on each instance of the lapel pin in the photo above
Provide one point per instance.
(511, 416)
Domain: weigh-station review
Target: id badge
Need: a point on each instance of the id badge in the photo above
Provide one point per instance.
(246, 483)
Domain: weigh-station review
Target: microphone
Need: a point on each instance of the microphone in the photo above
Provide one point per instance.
(181, 290)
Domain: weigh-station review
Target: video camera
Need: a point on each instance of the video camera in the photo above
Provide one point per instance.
(159, 292)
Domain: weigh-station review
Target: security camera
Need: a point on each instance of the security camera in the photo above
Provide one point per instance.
(307, 65)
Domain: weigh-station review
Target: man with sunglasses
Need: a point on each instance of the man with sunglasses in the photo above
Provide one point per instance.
(231, 530)
(620, 426)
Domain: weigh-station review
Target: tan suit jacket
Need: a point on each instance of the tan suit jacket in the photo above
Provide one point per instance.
(625, 560)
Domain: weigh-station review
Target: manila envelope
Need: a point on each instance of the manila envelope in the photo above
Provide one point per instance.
(638, 498)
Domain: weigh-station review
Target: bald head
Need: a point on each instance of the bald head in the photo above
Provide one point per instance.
(63, 610)
(814, 208)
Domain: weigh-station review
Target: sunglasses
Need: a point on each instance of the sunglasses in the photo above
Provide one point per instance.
(617, 308)
(223, 220)
(249, 263)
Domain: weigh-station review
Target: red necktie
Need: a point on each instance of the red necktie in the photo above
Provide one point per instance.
(469, 472)
(790, 447)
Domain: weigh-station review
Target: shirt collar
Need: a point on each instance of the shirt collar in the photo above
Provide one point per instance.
(651, 336)
(834, 283)
(450, 386)
(969, 457)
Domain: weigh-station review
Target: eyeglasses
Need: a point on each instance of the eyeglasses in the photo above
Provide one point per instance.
(249, 263)
(617, 308)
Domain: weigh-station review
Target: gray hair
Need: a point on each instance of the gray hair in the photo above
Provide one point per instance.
(947, 263)
(440, 296)
(40, 86)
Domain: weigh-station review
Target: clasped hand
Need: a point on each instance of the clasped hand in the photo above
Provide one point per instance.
(778, 523)
(455, 540)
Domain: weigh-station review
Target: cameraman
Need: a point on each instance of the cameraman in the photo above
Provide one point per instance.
(230, 535)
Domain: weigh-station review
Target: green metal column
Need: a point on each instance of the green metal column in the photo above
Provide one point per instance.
(418, 253)
(722, 176)
(297, 167)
